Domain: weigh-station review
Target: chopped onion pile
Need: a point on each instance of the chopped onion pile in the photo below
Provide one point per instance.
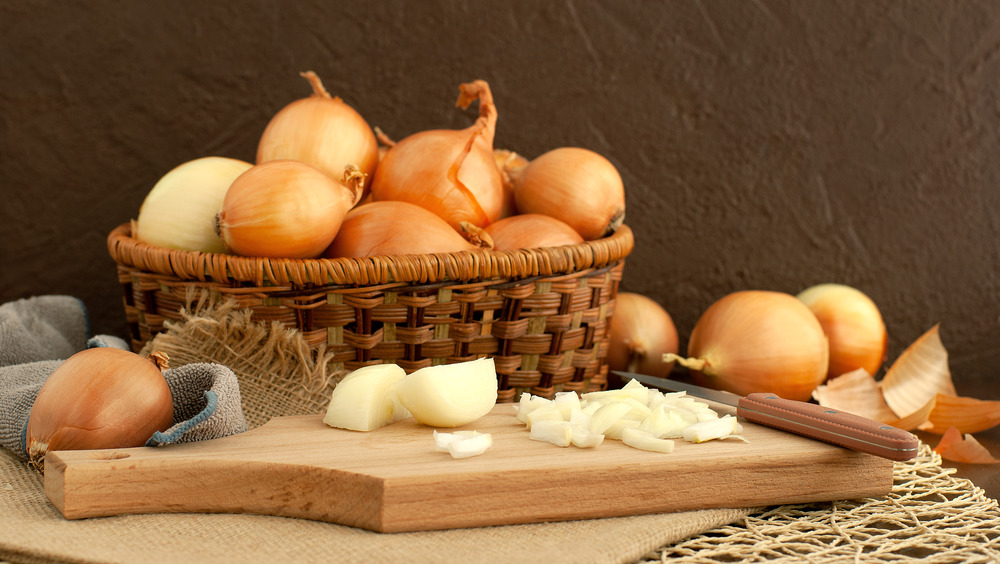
(640, 417)
(917, 393)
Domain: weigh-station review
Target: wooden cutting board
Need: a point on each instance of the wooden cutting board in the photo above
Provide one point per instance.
(393, 480)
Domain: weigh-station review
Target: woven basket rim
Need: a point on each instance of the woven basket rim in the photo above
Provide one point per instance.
(461, 266)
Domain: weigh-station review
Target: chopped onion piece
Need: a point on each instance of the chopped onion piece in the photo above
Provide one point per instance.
(643, 440)
(965, 450)
(723, 427)
(581, 437)
(463, 444)
(366, 399)
(559, 433)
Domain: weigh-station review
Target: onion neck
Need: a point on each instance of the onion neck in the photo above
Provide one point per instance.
(696, 364)
(317, 84)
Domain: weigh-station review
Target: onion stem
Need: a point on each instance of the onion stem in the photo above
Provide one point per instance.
(697, 364)
(316, 83)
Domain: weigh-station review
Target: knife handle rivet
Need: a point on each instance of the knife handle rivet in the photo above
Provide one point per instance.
(831, 411)
(772, 397)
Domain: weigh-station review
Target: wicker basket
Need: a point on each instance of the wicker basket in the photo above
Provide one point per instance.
(542, 314)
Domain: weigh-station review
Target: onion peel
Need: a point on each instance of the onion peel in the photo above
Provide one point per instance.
(965, 449)
(968, 415)
(918, 375)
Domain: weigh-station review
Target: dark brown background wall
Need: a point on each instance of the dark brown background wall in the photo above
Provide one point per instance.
(764, 144)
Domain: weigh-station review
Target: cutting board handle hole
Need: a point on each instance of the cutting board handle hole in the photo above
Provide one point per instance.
(115, 455)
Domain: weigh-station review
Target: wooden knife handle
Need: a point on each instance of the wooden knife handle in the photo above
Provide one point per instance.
(829, 425)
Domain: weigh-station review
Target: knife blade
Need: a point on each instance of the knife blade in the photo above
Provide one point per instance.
(801, 418)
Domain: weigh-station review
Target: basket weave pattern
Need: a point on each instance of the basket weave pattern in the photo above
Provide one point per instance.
(542, 314)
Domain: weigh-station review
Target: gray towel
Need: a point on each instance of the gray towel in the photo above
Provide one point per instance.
(37, 334)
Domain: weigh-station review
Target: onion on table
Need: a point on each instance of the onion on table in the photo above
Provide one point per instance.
(100, 398)
(641, 332)
(852, 323)
(758, 341)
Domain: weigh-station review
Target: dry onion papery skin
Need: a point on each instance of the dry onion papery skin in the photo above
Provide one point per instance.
(918, 375)
(179, 211)
(321, 130)
(853, 325)
(758, 341)
(530, 231)
(641, 332)
(452, 173)
(575, 185)
(286, 209)
(968, 415)
(394, 228)
(509, 164)
(100, 398)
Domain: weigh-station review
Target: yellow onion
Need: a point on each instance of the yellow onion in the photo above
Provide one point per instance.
(452, 173)
(286, 209)
(853, 325)
(320, 130)
(641, 332)
(578, 186)
(394, 228)
(509, 163)
(178, 212)
(530, 230)
(100, 398)
(758, 341)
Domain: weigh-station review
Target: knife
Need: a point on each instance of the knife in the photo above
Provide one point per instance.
(802, 418)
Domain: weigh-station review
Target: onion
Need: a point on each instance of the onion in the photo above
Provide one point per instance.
(852, 324)
(758, 341)
(320, 130)
(578, 186)
(530, 230)
(452, 173)
(286, 209)
(178, 212)
(100, 398)
(394, 228)
(641, 332)
(450, 395)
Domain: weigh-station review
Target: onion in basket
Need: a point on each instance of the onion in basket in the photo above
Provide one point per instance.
(179, 211)
(452, 173)
(320, 130)
(578, 186)
(530, 230)
(286, 209)
(394, 228)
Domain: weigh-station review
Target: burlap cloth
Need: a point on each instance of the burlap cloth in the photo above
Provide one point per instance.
(929, 514)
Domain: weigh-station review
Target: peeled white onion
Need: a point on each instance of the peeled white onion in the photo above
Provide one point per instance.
(450, 395)
(179, 211)
(366, 399)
